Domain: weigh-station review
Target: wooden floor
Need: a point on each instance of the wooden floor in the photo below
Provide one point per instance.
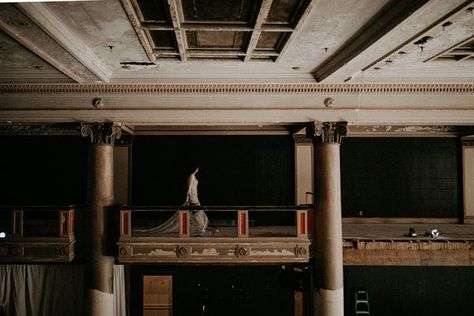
(349, 231)
(396, 231)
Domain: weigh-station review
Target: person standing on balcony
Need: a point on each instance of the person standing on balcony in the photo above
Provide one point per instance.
(199, 220)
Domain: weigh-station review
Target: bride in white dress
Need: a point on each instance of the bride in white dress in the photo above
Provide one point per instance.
(198, 218)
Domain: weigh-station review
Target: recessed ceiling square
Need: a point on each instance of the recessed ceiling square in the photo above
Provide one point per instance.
(217, 40)
(154, 10)
(220, 11)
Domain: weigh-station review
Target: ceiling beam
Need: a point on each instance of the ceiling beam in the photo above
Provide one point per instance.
(174, 6)
(450, 50)
(261, 18)
(291, 37)
(134, 19)
(383, 22)
(64, 36)
(449, 16)
(25, 32)
(214, 27)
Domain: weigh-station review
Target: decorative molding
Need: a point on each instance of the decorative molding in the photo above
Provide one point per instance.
(101, 133)
(24, 31)
(62, 34)
(302, 139)
(40, 129)
(239, 88)
(468, 142)
(327, 132)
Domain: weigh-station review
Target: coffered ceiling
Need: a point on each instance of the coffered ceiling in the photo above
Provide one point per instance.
(142, 46)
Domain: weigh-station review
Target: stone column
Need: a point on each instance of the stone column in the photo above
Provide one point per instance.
(468, 178)
(328, 261)
(99, 263)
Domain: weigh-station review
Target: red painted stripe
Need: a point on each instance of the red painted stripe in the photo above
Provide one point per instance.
(243, 222)
(71, 222)
(303, 223)
(184, 223)
(64, 223)
(125, 223)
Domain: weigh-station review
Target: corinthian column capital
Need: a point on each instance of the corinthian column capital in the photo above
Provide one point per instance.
(101, 133)
(327, 132)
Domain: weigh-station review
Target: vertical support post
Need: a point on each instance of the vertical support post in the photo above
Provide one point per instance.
(242, 223)
(301, 223)
(99, 262)
(125, 224)
(468, 178)
(17, 223)
(184, 230)
(328, 264)
(65, 224)
(303, 169)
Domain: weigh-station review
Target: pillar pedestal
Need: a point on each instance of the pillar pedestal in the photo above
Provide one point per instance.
(99, 262)
(328, 260)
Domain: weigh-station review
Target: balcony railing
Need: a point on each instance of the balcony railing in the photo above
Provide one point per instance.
(37, 233)
(235, 234)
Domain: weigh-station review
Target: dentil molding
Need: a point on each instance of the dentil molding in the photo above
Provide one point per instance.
(239, 88)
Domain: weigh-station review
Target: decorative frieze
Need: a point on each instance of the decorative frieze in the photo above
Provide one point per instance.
(468, 142)
(101, 133)
(207, 251)
(238, 88)
(302, 139)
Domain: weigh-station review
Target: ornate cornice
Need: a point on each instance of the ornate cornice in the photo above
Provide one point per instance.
(327, 132)
(238, 88)
(101, 133)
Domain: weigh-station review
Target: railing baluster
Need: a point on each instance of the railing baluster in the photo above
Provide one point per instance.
(125, 224)
(71, 223)
(301, 223)
(184, 224)
(17, 223)
(63, 224)
(243, 223)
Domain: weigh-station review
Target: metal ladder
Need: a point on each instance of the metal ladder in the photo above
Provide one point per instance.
(361, 303)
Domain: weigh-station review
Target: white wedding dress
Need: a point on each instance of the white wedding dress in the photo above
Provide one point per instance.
(198, 219)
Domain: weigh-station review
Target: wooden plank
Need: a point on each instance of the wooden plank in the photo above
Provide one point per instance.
(174, 6)
(132, 11)
(261, 18)
(391, 15)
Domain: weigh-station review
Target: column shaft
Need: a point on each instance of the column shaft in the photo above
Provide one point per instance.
(328, 232)
(99, 264)
(328, 260)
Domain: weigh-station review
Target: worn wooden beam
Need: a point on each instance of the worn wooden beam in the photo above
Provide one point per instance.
(24, 31)
(261, 18)
(214, 27)
(383, 22)
(303, 18)
(131, 9)
(174, 6)
(64, 36)
(413, 38)
(448, 50)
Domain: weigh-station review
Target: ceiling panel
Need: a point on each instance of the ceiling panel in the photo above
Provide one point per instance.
(252, 27)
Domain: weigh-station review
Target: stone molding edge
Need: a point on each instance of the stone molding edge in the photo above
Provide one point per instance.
(247, 88)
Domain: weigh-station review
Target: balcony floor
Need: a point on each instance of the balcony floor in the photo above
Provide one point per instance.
(397, 231)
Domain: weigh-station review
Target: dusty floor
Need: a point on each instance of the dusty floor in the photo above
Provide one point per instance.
(372, 231)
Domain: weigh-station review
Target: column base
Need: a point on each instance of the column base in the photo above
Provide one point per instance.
(100, 303)
(329, 302)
